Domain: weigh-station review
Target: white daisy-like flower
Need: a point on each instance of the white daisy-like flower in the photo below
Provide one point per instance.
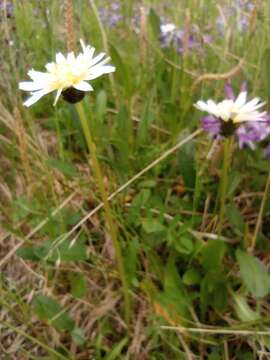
(67, 72)
(237, 111)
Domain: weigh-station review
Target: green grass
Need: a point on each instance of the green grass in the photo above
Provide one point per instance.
(60, 291)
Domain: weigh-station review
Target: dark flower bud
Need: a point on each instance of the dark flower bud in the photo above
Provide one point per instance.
(72, 95)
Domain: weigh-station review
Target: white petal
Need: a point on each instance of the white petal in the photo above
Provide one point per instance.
(82, 44)
(71, 57)
(201, 105)
(60, 59)
(241, 99)
(253, 105)
(97, 59)
(100, 71)
(36, 96)
(59, 91)
(38, 76)
(30, 86)
(251, 116)
(83, 86)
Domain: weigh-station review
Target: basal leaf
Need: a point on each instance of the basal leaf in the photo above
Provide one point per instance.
(253, 274)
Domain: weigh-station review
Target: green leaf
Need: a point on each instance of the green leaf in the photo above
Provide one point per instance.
(101, 105)
(78, 336)
(124, 74)
(212, 255)
(186, 160)
(243, 310)
(174, 294)
(27, 253)
(253, 274)
(184, 245)
(191, 277)
(78, 285)
(213, 291)
(235, 218)
(151, 226)
(67, 253)
(265, 71)
(116, 351)
(154, 21)
(64, 167)
(122, 138)
(146, 119)
(49, 310)
(131, 257)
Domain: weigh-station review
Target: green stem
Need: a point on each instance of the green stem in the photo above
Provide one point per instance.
(107, 209)
(224, 180)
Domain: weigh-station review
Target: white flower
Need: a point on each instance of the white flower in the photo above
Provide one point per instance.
(67, 72)
(238, 111)
(167, 28)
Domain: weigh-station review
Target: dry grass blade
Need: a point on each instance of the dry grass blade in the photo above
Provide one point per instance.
(217, 331)
(223, 76)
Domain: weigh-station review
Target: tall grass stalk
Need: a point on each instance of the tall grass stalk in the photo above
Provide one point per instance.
(107, 210)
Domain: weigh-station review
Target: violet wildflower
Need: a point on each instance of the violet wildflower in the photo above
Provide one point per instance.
(236, 116)
(172, 36)
(111, 15)
(238, 15)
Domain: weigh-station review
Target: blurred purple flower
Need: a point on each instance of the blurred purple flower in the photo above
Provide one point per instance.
(237, 15)
(211, 124)
(111, 15)
(171, 36)
(6, 7)
(253, 133)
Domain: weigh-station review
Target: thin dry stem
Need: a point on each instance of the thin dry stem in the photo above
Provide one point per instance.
(223, 76)
(217, 331)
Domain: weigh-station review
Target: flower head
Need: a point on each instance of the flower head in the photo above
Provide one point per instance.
(236, 116)
(237, 111)
(68, 74)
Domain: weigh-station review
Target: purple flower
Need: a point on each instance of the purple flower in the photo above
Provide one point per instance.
(171, 36)
(252, 133)
(6, 7)
(237, 15)
(211, 124)
(111, 15)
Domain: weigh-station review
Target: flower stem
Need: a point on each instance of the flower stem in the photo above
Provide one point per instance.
(107, 209)
(260, 215)
(224, 180)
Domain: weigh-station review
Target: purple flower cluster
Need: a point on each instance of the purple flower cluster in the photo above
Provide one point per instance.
(171, 36)
(238, 13)
(111, 15)
(248, 133)
(6, 7)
